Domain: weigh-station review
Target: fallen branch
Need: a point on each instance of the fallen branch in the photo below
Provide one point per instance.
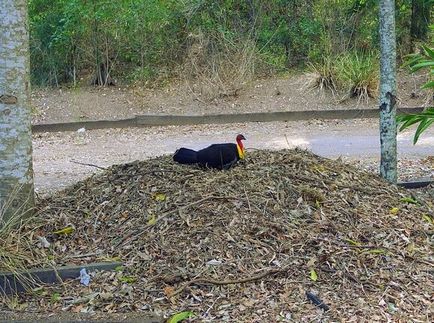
(86, 164)
(198, 281)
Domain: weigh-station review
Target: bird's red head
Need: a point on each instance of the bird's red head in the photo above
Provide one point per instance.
(240, 137)
(240, 146)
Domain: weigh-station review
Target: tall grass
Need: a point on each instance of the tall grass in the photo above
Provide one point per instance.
(324, 75)
(358, 74)
(17, 247)
(354, 75)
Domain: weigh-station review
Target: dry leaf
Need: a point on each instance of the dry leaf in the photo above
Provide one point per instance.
(65, 231)
(311, 262)
(152, 219)
(168, 291)
(160, 197)
(77, 308)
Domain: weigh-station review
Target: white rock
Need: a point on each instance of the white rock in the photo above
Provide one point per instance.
(214, 262)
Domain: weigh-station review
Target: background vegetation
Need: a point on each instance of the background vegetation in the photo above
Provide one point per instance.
(217, 41)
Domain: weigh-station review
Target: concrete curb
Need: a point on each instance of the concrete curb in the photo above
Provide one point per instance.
(146, 318)
(417, 183)
(12, 283)
(180, 120)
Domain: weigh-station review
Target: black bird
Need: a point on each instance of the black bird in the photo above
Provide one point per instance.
(220, 156)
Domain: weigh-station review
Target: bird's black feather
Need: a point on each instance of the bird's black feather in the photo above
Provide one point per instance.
(220, 156)
(185, 156)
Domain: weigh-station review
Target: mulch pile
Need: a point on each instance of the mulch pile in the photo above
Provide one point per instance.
(262, 242)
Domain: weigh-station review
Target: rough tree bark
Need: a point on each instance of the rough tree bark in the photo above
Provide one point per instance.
(16, 174)
(388, 128)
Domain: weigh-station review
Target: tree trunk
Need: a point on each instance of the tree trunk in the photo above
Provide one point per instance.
(98, 75)
(388, 164)
(16, 174)
(420, 19)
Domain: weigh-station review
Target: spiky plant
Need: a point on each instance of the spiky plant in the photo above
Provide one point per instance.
(358, 74)
(324, 75)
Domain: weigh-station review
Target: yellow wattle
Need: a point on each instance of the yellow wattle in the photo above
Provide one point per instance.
(241, 152)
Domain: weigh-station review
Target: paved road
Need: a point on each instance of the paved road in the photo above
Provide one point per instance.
(356, 139)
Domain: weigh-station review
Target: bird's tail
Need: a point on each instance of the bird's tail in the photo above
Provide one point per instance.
(185, 156)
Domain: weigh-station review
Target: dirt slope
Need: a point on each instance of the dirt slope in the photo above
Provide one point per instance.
(289, 93)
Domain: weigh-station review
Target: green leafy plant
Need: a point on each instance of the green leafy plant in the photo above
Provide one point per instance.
(425, 119)
(181, 316)
(128, 279)
(408, 200)
(55, 298)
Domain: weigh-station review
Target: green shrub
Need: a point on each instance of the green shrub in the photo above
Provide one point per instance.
(150, 39)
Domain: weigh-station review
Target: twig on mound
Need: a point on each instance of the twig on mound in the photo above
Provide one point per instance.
(86, 164)
(359, 246)
(354, 246)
